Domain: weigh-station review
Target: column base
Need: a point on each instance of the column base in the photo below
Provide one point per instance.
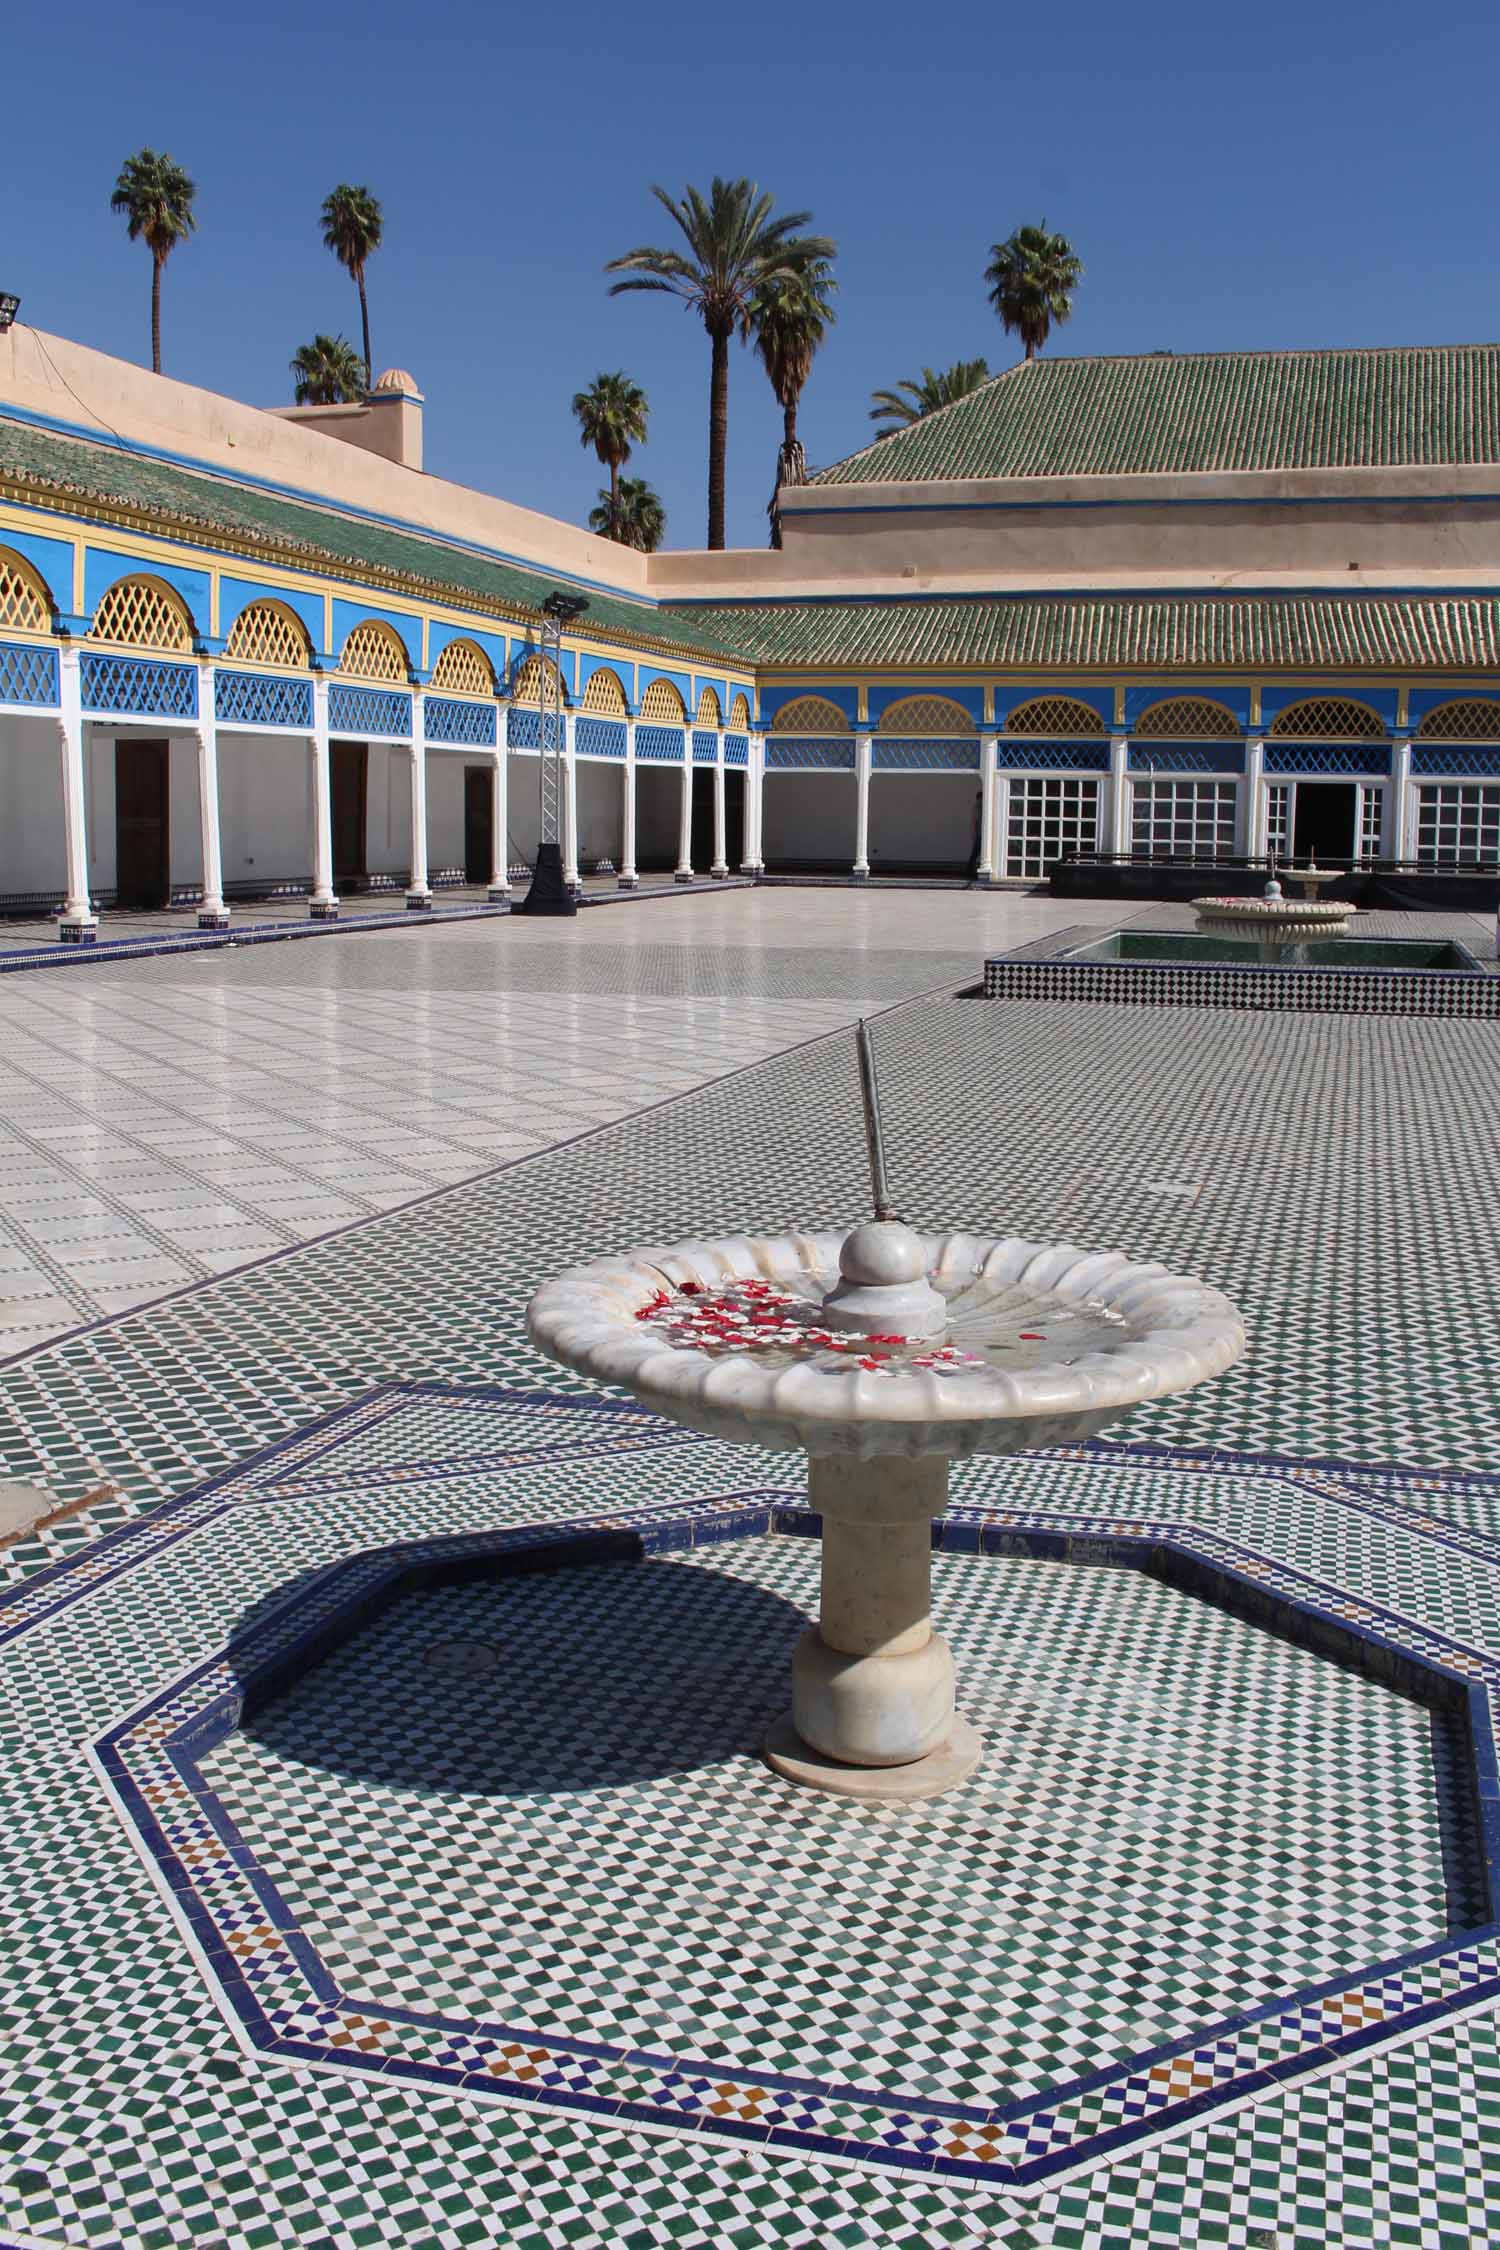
(213, 917)
(683, 875)
(944, 1768)
(418, 902)
(630, 882)
(859, 874)
(82, 930)
(323, 909)
(719, 873)
(752, 867)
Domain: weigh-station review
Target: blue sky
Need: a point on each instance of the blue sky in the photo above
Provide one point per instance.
(1298, 174)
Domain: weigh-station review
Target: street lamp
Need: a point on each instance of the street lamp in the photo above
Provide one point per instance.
(9, 307)
(549, 894)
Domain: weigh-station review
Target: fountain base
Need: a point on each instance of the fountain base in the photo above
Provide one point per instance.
(944, 1768)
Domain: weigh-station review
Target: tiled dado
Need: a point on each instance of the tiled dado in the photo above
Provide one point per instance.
(277, 1990)
(1308, 992)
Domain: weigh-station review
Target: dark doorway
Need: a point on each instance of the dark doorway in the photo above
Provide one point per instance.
(349, 783)
(143, 863)
(1324, 826)
(703, 817)
(734, 817)
(479, 823)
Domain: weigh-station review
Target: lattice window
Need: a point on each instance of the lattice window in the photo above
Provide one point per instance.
(446, 721)
(924, 755)
(1458, 824)
(463, 669)
(739, 714)
(265, 633)
(373, 652)
(1326, 758)
(1055, 714)
(736, 750)
(523, 729)
(705, 747)
(1187, 757)
(536, 670)
(662, 705)
(1371, 811)
(1279, 818)
(1435, 760)
(1329, 718)
(137, 613)
(24, 607)
(254, 699)
(660, 745)
(367, 711)
(1474, 719)
(1047, 818)
(709, 713)
(144, 690)
(27, 674)
(1182, 819)
(1188, 718)
(604, 697)
(926, 714)
(600, 738)
(1059, 756)
(810, 714)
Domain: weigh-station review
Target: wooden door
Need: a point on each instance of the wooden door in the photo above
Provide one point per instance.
(479, 823)
(349, 783)
(143, 861)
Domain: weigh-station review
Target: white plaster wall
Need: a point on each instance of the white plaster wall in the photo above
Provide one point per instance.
(388, 810)
(99, 772)
(184, 824)
(601, 817)
(265, 807)
(808, 816)
(658, 815)
(445, 810)
(922, 819)
(33, 856)
(524, 825)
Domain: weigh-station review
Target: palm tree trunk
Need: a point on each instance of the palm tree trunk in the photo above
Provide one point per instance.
(614, 499)
(364, 318)
(718, 438)
(789, 428)
(155, 314)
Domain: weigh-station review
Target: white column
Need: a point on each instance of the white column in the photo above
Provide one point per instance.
(629, 879)
(419, 886)
(863, 750)
(720, 864)
(1256, 804)
(1119, 795)
(683, 872)
(570, 803)
(499, 890)
(322, 904)
(1002, 818)
(753, 862)
(79, 924)
(213, 914)
(1401, 821)
(988, 745)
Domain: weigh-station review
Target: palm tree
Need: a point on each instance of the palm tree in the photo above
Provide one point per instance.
(352, 230)
(1032, 277)
(736, 246)
(935, 389)
(612, 415)
(790, 319)
(636, 511)
(156, 197)
(329, 373)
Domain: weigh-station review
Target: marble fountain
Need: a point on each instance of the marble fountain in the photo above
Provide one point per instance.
(1278, 927)
(884, 1353)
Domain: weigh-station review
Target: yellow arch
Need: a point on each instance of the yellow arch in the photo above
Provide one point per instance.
(374, 651)
(1468, 718)
(528, 682)
(739, 715)
(1324, 718)
(25, 599)
(1188, 718)
(810, 714)
(1055, 714)
(141, 612)
(463, 669)
(267, 632)
(709, 712)
(604, 697)
(926, 714)
(662, 706)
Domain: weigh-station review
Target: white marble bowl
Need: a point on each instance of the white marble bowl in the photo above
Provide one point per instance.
(1045, 1344)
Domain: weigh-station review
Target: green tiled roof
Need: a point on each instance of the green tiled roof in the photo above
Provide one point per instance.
(323, 539)
(1205, 632)
(1165, 414)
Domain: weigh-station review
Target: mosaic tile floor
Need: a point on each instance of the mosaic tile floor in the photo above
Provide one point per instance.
(1352, 2107)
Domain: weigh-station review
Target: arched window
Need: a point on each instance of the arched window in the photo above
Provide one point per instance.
(463, 669)
(739, 715)
(1055, 714)
(709, 714)
(528, 686)
(662, 706)
(1328, 718)
(25, 606)
(926, 714)
(1187, 718)
(604, 698)
(142, 613)
(269, 633)
(1475, 718)
(374, 652)
(810, 714)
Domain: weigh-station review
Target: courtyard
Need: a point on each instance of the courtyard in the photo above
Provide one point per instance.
(1200, 1955)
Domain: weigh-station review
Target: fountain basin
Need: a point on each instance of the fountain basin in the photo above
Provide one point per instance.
(1273, 919)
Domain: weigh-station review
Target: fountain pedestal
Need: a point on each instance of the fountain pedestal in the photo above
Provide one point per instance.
(872, 1684)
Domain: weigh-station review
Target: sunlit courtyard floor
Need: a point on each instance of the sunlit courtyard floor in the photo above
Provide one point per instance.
(243, 1191)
